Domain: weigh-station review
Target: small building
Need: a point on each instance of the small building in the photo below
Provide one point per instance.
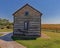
(27, 22)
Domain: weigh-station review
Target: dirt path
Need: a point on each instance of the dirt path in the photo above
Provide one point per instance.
(10, 44)
(7, 42)
(44, 36)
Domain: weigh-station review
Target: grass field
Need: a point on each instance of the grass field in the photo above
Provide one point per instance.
(53, 42)
(1, 34)
(51, 27)
(6, 30)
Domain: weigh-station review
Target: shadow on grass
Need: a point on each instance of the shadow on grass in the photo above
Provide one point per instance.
(20, 38)
(7, 37)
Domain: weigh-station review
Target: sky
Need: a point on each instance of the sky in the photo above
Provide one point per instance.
(49, 8)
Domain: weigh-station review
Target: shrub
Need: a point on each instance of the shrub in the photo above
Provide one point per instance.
(2, 28)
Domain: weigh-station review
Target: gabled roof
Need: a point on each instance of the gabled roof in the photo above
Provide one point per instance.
(24, 6)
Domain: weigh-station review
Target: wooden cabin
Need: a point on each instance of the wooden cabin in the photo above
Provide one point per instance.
(27, 22)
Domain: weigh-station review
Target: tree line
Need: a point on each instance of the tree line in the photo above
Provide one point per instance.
(4, 23)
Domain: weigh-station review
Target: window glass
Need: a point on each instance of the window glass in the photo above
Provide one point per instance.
(26, 13)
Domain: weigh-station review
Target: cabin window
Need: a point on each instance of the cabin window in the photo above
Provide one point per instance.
(26, 24)
(26, 13)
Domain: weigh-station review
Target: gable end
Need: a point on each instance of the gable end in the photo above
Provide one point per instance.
(29, 6)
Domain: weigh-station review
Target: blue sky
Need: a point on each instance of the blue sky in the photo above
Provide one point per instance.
(49, 8)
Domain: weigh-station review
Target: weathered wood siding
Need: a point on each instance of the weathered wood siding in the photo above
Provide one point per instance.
(34, 21)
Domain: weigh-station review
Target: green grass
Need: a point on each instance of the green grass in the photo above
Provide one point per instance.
(53, 42)
(1, 34)
(6, 30)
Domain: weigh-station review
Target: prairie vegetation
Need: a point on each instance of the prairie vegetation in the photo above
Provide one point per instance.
(51, 27)
(5, 25)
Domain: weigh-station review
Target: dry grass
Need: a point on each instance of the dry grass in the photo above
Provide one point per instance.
(6, 30)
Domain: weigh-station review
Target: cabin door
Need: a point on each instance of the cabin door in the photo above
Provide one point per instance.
(26, 25)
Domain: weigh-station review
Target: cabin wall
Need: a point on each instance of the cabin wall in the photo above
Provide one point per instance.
(34, 21)
(34, 26)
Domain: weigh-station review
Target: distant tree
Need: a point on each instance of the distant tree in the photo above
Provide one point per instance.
(5, 23)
